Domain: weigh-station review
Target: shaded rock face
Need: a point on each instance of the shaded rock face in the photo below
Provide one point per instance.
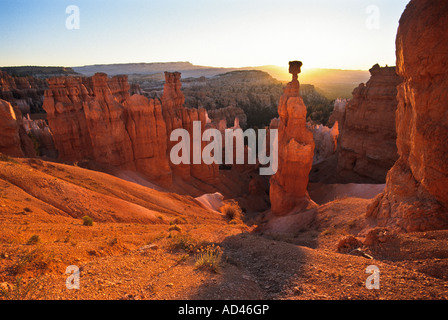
(416, 194)
(26, 93)
(338, 114)
(96, 119)
(367, 143)
(41, 136)
(288, 188)
(326, 141)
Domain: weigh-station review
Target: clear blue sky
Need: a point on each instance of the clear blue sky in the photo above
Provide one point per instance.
(229, 33)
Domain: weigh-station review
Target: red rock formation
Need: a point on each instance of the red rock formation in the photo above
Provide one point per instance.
(177, 116)
(288, 188)
(367, 148)
(94, 118)
(9, 131)
(416, 194)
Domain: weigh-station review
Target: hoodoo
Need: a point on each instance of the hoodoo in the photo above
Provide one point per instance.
(288, 188)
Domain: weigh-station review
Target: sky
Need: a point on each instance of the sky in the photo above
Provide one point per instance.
(339, 34)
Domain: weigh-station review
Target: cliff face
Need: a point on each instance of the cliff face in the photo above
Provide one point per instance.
(96, 119)
(24, 92)
(367, 147)
(288, 188)
(416, 194)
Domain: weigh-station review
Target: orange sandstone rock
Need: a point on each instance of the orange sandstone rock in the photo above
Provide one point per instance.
(288, 188)
(367, 148)
(9, 131)
(416, 193)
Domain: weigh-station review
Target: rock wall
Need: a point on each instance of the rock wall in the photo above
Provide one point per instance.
(416, 194)
(96, 119)
(367, 147)
(288, 189)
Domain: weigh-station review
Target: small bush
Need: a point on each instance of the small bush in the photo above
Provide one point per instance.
(35, 259)
(209, 258)
(231, 211)
(175, 227)
(20, 290)
(35, 239)
(183, 242)
(87, 221)
(113, 242)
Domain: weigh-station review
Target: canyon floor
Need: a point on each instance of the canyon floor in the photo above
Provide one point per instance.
(144, 244)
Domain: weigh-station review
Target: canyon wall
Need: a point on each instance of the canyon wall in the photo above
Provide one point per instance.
(288, 189)
(416, 194)
(367, 147)
(96, 119)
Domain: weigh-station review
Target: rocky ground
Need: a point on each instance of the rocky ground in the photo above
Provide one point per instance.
(122, 258)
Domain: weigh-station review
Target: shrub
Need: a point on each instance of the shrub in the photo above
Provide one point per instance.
(35, 259)
(175, 227)
(231, 211)
(33, 240)
(87, 221)
(209, 258)
(183, 242)
(20, 290)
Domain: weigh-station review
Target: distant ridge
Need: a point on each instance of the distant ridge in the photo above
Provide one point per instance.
(333, 83)
(39, 71)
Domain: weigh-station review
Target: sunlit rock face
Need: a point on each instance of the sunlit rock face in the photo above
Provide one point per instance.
(367, 143)
(9, 131)
(288, 190)
(177, 116)
(416, 194)
(96, 119)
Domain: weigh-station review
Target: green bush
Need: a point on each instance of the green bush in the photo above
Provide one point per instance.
(87, 221)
